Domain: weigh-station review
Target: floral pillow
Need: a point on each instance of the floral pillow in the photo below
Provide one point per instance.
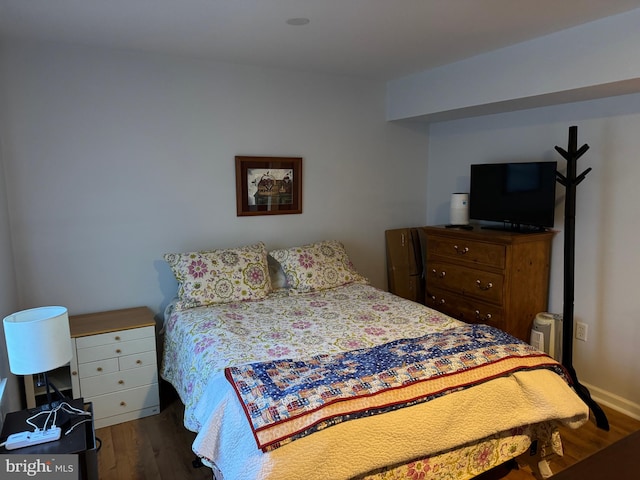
(220, 276)
(318, 266)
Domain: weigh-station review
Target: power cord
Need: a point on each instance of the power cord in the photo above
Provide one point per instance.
(49, 431)
(65, 407)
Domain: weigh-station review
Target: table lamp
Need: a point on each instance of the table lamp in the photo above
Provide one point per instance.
(38, 341)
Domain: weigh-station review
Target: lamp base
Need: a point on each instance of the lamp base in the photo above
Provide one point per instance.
(50, 405)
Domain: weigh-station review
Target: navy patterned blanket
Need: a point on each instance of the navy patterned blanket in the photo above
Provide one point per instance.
(288, 399)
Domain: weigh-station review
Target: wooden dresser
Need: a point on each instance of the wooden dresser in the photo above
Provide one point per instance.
(114, 364)
(487, 276)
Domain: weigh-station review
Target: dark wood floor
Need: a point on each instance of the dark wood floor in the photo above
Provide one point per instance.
(153, 448)
(159, 447)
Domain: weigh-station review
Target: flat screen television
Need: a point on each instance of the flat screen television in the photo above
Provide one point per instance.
(521, 196)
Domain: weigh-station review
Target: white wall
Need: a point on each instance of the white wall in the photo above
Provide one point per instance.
(114, 158)
(607, 220)
(8, 294)
(594, 60)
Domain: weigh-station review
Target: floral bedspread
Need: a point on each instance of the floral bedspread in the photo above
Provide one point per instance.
(470, 460)
(288, 399)
(199, 343)
(205, 340)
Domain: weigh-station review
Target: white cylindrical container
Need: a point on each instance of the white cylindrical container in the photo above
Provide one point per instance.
(459, 209)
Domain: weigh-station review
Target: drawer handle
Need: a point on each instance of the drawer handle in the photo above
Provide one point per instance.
(435, 300)
(138, 362)
(123, 404)
(480, 317)
(117, 337)
(99, 369)
(483, 287)
(120, 382)
(74, 373)
(461, 251)
(120, 351)
(439, 275)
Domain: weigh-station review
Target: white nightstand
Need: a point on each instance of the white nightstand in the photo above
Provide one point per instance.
(114, 365)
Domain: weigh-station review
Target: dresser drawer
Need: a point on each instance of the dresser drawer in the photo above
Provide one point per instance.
(125, 401)
(465, 309)
(466, 281)
(101, 367)
(112, 382)
(479, 253)
(110, 365)
(118, 349)
(90, 341)
(498, 277)
(138, 360)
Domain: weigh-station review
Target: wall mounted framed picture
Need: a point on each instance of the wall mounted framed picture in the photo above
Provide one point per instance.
(268, 185)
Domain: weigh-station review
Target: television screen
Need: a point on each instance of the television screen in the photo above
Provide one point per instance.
(517, 194)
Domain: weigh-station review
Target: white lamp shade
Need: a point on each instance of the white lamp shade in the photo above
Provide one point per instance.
(38, 340)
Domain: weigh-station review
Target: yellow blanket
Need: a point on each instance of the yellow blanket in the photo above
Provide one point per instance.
(355, 447)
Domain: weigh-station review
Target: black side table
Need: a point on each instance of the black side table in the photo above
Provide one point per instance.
(81, 440)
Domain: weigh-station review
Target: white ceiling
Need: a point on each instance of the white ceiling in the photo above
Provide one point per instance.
(380, 39)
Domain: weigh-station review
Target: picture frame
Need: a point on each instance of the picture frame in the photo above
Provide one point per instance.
(268, 185)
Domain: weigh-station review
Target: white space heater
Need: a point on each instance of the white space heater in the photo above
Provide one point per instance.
(546, 334)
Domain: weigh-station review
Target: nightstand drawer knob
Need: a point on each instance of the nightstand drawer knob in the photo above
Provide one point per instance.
(123, 404)
(120, 382)
(99, 369)
(118, 351)
(117, 337)
(139, 362)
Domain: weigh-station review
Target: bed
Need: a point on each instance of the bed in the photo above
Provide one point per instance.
(291, 366)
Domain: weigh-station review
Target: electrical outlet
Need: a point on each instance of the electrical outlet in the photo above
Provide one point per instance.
(581, 331)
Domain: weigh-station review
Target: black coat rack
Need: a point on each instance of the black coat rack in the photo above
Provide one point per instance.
(570, 182)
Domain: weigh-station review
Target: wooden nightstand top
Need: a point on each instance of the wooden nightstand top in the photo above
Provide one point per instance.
(110, 321)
